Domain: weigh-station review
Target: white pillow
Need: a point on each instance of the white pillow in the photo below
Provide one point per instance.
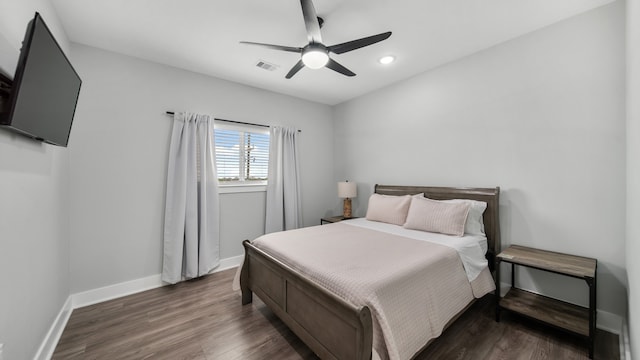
(475, 223)
(437, 216)
(388, 208)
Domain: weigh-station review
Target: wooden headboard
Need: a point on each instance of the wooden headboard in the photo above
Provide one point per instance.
(491, 216)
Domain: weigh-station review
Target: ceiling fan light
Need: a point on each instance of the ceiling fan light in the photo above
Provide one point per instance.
(315, 58)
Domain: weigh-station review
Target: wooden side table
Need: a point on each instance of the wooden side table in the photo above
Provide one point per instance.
(560, 314)
(334, 219)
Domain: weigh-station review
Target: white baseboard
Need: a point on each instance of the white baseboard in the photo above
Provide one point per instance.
(90, 297)
(229, 263)
(610, 322)
(48, 345)
(115, 291)
(625, 346)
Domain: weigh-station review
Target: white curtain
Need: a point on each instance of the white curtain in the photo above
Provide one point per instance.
(191, 218)
(283, 186)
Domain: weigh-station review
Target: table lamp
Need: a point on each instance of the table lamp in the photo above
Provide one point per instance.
(347, 190)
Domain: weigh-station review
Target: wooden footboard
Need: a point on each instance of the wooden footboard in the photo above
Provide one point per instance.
(331, 327)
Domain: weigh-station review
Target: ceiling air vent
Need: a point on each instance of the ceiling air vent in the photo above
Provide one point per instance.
(267, 66)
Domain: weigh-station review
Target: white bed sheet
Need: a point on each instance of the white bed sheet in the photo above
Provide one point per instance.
(471, 248)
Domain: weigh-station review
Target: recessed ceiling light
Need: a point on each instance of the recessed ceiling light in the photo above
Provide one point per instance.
(387, 59)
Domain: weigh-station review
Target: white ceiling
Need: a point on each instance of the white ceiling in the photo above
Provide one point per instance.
(203, 35)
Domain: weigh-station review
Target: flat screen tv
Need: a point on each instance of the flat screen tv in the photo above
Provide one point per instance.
(42, 98)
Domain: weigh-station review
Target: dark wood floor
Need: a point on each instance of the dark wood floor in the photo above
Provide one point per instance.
(203, 319)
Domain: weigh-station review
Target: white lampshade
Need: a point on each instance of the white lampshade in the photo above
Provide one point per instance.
(315, 58)
(347, 189)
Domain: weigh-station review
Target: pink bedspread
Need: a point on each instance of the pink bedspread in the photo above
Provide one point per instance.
(413, 288)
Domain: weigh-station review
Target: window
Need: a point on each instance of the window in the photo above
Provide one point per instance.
(242, 154)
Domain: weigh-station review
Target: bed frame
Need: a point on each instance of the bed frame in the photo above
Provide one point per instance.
(330, 326)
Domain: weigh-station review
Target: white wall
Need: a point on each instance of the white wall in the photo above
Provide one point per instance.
(541, 116)
(34, 213)
(633, 171)
(118, 155)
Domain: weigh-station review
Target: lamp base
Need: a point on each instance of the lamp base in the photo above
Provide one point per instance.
(346, 209)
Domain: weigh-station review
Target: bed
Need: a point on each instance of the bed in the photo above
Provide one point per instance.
(335, 319)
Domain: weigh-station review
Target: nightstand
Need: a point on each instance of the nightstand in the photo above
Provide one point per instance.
(334, 219)
(575, 319)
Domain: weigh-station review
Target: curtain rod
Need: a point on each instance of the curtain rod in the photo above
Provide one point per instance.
(233, 121)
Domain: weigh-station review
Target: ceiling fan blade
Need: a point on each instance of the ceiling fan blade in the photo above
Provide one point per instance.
(299, 65)
(333, 65)
(274, 47)
(311, 21)
(357, 44)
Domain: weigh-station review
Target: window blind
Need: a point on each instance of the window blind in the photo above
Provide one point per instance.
(242, 155)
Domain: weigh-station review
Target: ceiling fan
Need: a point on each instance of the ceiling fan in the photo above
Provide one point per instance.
(315, 54)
